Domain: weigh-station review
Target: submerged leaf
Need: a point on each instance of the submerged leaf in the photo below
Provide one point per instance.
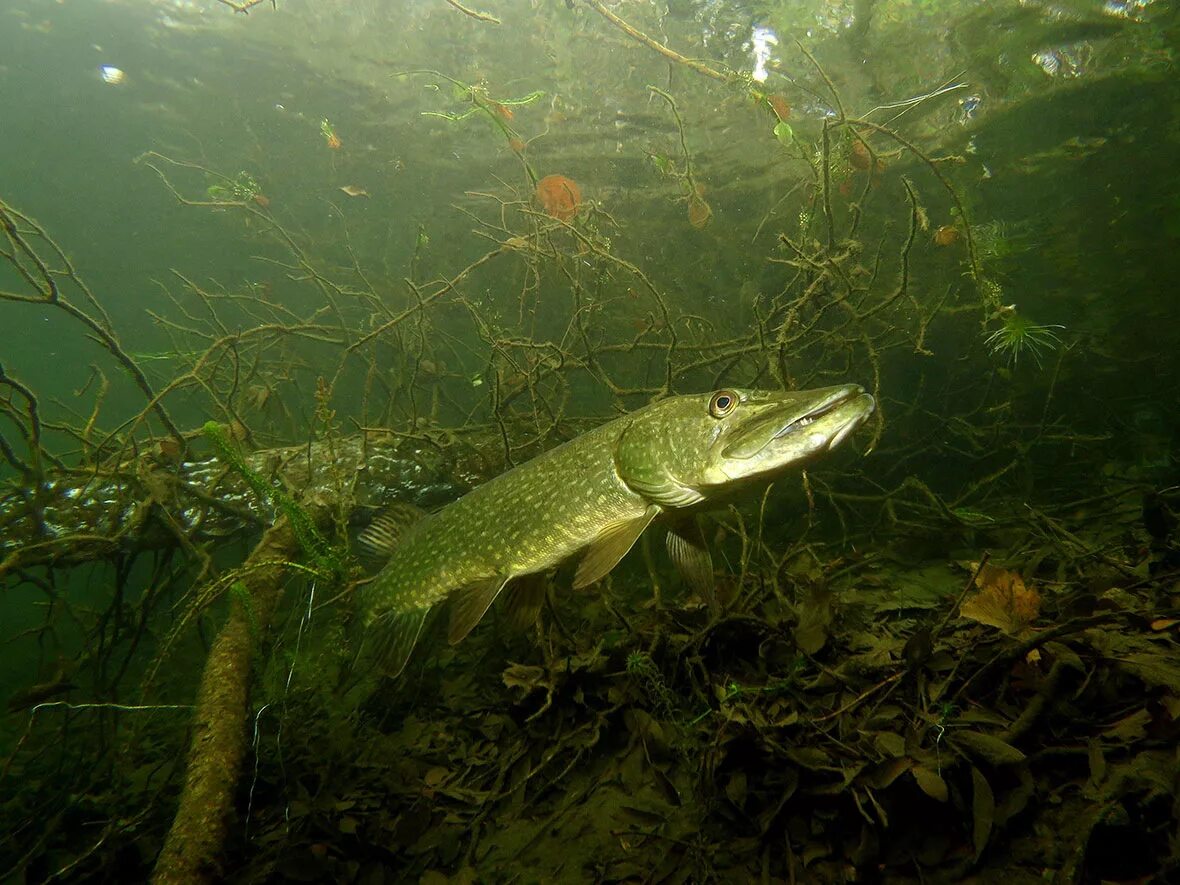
(1130, 728)
(1159, 670)
(985, 746)
(523, 676)
(1003, 601)
(815, 619)
(931, 783)
(983, 810)
(700, 213)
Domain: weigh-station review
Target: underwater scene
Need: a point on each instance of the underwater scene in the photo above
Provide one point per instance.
(589, 441)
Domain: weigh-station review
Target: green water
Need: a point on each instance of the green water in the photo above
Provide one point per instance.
(969, 208)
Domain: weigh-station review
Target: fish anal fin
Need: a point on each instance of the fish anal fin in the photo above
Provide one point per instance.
(610, 546)
(394, 635)
(526, 595)
(381, 536)
(470, 603)
(689, 552)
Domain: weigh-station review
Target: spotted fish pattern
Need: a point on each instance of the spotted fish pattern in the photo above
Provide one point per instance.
(593, 497)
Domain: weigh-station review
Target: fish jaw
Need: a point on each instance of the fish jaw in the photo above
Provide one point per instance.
(791, 433)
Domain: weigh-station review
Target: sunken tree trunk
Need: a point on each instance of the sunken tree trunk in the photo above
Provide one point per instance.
(193, 849)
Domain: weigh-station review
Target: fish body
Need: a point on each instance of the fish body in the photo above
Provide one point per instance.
(594, 496)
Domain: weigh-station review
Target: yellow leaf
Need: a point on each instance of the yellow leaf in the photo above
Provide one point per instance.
(1002, 601)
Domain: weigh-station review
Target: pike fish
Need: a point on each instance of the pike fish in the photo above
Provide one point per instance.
(592, 497)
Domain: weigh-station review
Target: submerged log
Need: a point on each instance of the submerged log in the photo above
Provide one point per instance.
(151, 504)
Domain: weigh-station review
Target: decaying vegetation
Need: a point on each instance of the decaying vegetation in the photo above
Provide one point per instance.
(922, 669)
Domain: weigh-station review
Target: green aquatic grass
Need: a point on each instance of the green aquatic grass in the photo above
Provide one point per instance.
(324, 558)
(1018, 335)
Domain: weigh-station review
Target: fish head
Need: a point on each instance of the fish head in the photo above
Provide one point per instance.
(686, 449)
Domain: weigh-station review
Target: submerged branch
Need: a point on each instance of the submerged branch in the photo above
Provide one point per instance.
(143, 505)
(20, 232)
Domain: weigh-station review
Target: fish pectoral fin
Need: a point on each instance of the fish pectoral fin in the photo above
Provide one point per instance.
(611, 545)
(690, 554)
(470, 603)
(394, 636)
(526, 595)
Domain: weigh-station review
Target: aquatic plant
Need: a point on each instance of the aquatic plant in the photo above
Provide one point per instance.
(319, 552)
(700, 213)
(328, 131)
(499, 111)
(240, 188)
(998, 240)
(1018, 335)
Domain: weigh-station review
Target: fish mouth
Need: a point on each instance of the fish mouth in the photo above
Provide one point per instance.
(795, 427)
(846, 408)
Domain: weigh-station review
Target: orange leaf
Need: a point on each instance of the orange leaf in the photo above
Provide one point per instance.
(1003, 601)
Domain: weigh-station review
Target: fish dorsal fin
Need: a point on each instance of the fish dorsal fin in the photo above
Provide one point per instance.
(690, 554)
(611, 545)
(381, 536)
(470, 603)
(394, 636)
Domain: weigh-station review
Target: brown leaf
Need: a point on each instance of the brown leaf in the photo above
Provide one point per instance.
(1003, 601)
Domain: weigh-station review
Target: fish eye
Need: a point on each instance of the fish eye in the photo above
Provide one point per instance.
(722, 403)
